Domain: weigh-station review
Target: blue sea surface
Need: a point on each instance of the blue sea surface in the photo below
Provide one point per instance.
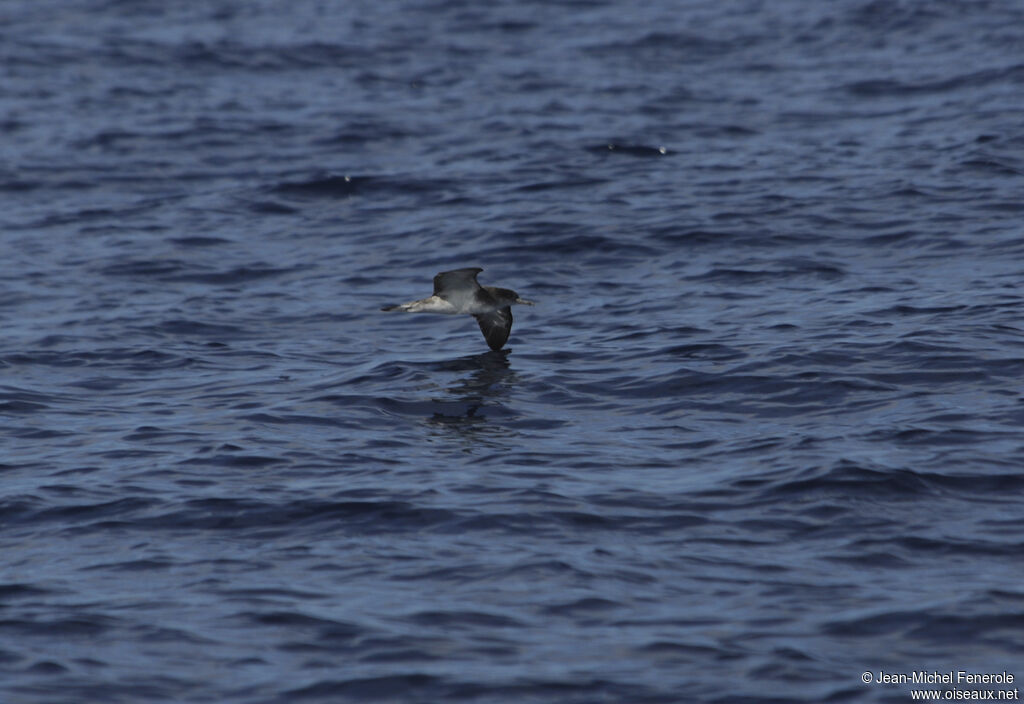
(763, 432)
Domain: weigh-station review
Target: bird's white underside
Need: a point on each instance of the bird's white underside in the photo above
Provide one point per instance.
(436, 304)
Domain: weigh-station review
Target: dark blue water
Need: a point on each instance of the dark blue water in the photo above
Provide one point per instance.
(763, 432)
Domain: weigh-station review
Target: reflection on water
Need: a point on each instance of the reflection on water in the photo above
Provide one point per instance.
(482, 382)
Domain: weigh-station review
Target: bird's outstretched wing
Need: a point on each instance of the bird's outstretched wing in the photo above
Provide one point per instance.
(495, 325)
(459, 279)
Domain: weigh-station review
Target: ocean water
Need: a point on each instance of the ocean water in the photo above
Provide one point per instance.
(761, 434)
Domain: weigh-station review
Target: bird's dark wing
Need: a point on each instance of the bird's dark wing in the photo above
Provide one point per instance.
(457, 279)
(496, 326)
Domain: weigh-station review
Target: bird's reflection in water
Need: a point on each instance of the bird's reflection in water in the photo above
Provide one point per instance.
(474, 401)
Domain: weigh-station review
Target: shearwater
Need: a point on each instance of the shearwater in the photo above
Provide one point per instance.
(457, 292)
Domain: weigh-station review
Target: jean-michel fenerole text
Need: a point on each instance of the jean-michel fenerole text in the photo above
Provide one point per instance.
(951, 677)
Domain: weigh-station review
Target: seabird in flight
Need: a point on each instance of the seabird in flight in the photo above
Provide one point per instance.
(457, 292)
